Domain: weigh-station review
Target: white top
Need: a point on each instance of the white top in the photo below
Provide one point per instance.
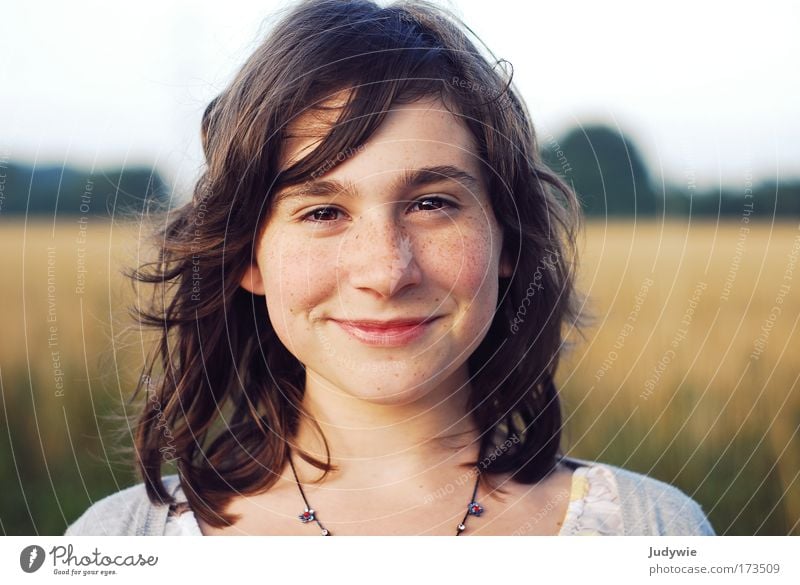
(593, 510)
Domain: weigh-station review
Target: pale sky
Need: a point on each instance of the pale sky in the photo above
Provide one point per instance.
(702, 87)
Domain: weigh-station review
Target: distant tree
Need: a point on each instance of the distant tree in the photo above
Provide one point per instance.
(780, 199)
(605, 169)
(765, 201)
(67, 191)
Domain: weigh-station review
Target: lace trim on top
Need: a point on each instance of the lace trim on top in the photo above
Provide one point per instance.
(594, 507)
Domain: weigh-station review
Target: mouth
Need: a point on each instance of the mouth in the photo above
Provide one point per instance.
(392, 333)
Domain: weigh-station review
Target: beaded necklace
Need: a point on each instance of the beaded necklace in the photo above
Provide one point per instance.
(309, 515)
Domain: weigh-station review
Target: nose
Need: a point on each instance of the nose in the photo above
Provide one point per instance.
(378, 254)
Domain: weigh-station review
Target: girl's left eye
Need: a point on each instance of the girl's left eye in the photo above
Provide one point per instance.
(328, 214)
(441, 202)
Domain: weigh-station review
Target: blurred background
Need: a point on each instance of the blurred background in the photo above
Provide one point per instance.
(678, 126)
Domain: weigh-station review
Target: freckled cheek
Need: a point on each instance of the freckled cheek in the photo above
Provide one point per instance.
(463, 261)
(297, 278)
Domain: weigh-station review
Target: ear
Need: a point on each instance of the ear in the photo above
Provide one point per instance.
(252, 280)
(506, 269)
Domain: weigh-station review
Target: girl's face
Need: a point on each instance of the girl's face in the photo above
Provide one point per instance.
(381, 274)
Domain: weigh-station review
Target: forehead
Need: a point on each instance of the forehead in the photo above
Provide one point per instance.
(409, 135)
(305, 132)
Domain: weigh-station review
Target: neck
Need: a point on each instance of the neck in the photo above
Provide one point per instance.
(376, 444)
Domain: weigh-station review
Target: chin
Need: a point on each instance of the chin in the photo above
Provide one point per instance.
(388, 394)
(390, 388)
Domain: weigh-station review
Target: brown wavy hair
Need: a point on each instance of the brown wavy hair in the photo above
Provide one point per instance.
(224, 394)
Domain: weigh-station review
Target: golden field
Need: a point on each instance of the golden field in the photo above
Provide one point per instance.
(689, 371)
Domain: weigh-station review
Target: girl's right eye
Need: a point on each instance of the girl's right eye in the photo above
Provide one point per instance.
(320, 214)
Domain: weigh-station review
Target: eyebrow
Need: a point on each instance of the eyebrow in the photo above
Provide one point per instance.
(411, 178)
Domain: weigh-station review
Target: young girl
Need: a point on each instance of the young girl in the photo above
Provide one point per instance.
(362, 308)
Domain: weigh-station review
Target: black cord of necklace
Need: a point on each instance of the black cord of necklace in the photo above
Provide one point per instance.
(325, 532)
(474, 493)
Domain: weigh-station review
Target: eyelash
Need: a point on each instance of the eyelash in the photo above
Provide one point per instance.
(307, 217)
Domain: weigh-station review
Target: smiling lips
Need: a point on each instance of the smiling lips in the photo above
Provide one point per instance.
(387, 333)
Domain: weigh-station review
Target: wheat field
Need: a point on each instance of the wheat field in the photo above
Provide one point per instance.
(688, 370)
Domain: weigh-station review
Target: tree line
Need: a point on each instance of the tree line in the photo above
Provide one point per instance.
(603, 166)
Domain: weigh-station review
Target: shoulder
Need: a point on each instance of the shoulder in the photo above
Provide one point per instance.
(653, 507)
(128, 512)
